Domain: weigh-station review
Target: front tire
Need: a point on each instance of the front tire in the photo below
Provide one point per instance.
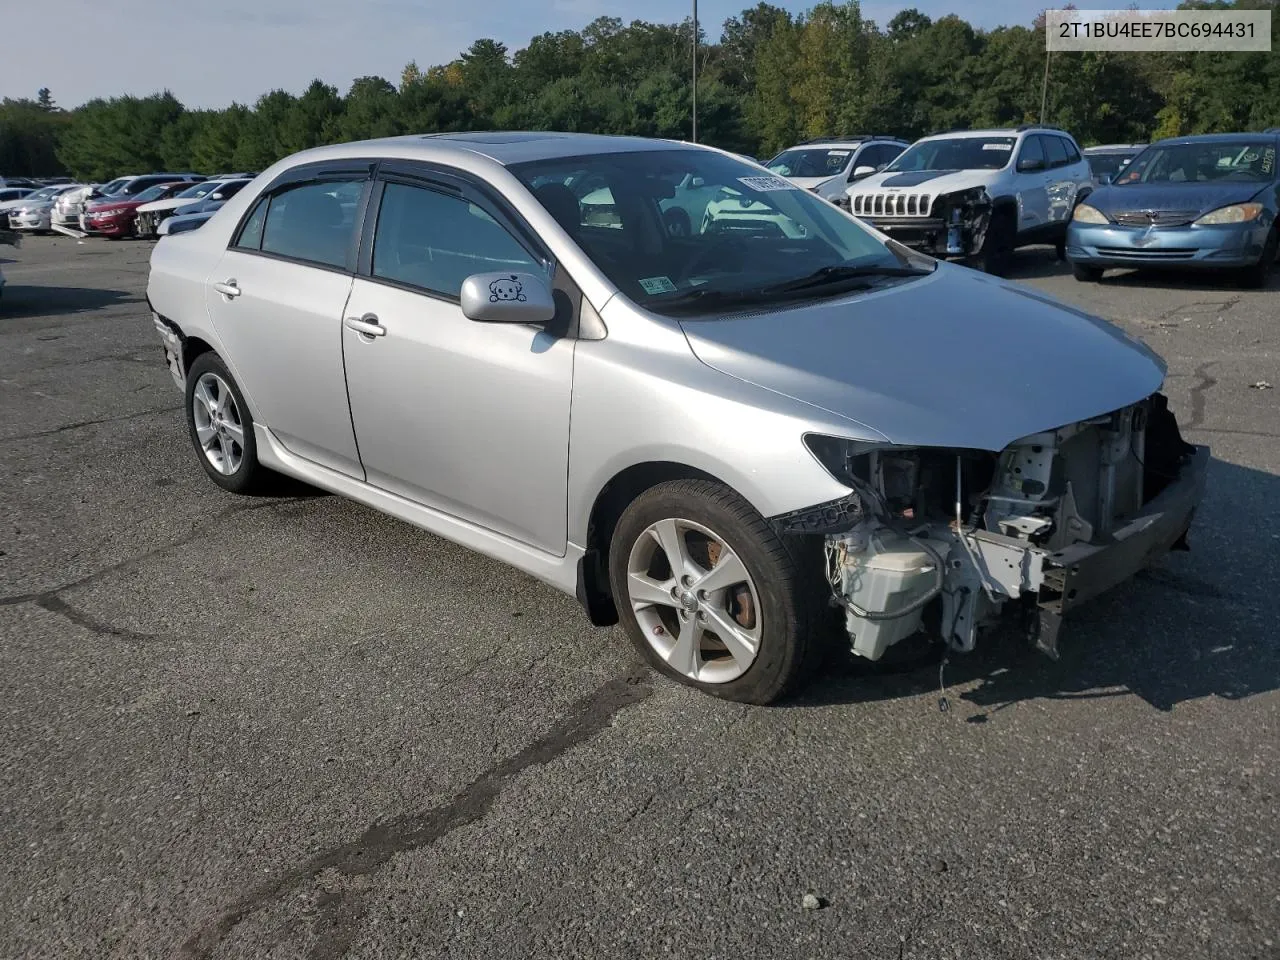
(1086, 274)
(710, 595)
(221, 427)
(1257, 276)
(997, 246)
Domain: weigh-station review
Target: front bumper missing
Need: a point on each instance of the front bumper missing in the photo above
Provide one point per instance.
(1082, 571)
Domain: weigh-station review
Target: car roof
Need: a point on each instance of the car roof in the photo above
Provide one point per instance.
(1213, 138)
(1113, 147)
(504, 147)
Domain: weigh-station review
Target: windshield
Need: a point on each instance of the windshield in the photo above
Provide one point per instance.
(665, 225)
(44, 193)
(200, 189)
(1236, 161)
(1104, 164)
(152, 193)
(112, 186)
(810, 162)
(955, 153)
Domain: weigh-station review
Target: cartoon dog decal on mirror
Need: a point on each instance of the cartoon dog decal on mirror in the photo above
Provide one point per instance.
(506, 288)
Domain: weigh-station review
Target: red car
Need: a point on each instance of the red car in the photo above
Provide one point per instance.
(115, 218)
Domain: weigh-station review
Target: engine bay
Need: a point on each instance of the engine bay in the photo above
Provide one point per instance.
(956, 538)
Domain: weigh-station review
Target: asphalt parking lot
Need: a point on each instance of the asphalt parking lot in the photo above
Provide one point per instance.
(293, 727)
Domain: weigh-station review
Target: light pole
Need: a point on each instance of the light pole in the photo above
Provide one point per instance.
(695, 71)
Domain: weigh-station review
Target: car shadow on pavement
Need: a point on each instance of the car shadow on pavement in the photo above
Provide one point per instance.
(26, 301)
(1168, 279)
(1197, 624)
(1036, 263)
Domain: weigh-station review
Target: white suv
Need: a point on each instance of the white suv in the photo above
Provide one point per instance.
(827, 167)
(977, 193)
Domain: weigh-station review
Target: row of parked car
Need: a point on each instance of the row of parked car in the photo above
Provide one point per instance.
(1203, 201)
(140, 205)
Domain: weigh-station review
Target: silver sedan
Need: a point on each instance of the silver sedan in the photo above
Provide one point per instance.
(709, 404)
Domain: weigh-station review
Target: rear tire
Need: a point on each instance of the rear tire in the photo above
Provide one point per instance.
(761, 599)
(221, 428)
(1086, 274)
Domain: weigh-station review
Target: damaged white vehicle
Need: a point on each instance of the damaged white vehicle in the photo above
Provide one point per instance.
(734, 441)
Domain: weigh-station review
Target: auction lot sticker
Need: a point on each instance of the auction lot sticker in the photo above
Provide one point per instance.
(1143, 31)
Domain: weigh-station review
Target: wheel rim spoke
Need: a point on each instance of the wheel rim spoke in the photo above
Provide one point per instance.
(742, 643)
(647, 592)
(205, 433)
(728, 570)
(684, 655)
(206, 399)
(234, 432)
(228, 456)
(671, 540)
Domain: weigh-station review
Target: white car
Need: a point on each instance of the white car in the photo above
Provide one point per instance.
(827, 167)
(11, 197)
(35, 211)
(977, 193)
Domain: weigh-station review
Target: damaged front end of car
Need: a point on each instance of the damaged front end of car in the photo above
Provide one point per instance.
(942, 225)
(955, 539)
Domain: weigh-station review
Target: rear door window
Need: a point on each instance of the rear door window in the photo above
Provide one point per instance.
(313, 221)
(1056, 150)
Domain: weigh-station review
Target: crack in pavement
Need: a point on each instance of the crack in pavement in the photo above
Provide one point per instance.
(354, 862)
(55, 604)
(91, 423)
(42, 597)
(1204, 382)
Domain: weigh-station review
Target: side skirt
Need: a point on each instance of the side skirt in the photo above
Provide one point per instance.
(558, 572)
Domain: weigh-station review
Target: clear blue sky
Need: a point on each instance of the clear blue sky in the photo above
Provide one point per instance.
(211, 53)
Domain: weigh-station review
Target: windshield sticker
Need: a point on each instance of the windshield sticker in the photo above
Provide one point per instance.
(1002, 147)
(838, 153)
(658, 285)
(1268, 159)
(767, 184)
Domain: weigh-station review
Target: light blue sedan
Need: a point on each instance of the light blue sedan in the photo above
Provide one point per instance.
(1205, 202)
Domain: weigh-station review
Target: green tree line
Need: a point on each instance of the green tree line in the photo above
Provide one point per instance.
(771, 79)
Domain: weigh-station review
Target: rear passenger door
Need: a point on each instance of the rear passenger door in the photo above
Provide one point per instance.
(470, 419)
(1059, 185)
(1030, 173)
(276, 300)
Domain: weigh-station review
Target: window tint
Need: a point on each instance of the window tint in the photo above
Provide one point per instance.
(436, 240)
(251, 233)
(1056, 149)
(313, 221)
(1073, 155)
(1031, 151)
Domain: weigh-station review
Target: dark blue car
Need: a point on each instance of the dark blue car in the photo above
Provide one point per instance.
(1206, 202)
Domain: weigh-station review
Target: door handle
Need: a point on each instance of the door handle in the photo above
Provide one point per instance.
(228, 288)
(367, 325)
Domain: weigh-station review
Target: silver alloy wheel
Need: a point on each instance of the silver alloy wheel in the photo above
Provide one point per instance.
(218, 425)
(694, 600)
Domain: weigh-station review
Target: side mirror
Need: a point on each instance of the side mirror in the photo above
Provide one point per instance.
(215, 196)
(697, 182)
(1105, 179)
(860, 172)
(507, 298)
(1030, 166)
